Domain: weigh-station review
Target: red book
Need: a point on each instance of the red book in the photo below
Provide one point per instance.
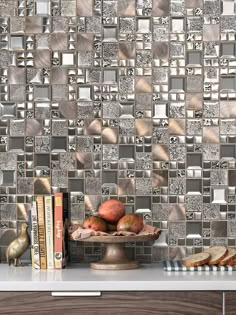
(58, 228)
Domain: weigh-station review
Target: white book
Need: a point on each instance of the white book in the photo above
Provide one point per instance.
(35, 237)
(49, 231)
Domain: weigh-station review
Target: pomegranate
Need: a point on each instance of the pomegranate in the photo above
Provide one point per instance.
(111, 210)
(130, 223)
(95, 223)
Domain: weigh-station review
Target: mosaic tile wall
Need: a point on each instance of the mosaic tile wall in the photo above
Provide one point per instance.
(127, 98)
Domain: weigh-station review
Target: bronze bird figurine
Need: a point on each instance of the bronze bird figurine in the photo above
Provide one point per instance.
(18, 246)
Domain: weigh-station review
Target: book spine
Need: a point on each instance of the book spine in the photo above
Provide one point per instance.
(35, 237)
(49, 231)
(58, 227)
(42, 237)
(31, 238)
(66, 202)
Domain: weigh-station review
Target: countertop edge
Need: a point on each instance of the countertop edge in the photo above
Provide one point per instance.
(116, 286)
(82, 278)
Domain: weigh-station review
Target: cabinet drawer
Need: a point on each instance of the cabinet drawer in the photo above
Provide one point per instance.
(230, 303)
(139, 303)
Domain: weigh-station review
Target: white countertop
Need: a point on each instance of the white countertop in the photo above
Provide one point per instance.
(149, 277)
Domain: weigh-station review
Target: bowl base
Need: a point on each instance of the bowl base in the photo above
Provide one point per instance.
(114, 259)
(115, 266)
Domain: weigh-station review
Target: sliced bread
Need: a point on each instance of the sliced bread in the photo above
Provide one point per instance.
(232, 263)
(217, 253)
(196, 260)
(231, 255)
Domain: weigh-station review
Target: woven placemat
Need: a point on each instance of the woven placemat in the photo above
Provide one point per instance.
(176, 265)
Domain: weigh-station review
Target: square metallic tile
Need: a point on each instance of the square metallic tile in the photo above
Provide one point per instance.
(41, 93)
(122, 99)
(7, 110)
(42, 7)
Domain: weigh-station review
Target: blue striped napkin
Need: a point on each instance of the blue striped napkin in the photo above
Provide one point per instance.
(176, 265)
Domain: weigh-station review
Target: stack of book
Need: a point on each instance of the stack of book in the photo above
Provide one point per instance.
(49, 222)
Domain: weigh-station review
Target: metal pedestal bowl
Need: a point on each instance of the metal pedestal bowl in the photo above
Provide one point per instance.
(115, 257)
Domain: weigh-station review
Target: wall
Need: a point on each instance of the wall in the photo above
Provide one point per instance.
(121, 98)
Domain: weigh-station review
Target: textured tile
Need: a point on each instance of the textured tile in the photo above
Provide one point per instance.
(59, 24)
(17, 93)
(68, 8)
(160, 152)
(25, 186)
(177, 186)
(33, 127)
(68, 109)
(17, 24)
(231, 228)
(84, 8)
(126, 7)
(211, 212)
(143, 186)
(160, 8)
(16, 75)
(176, 230)
(194, 203)
(17, 127)
(42, 59)
(8, 7)
(121, 98)
(33, 24)
(126, 186)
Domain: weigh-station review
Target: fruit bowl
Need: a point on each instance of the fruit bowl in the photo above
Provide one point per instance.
(114, 257)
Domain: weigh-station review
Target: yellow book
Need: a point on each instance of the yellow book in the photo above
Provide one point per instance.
(42, 233)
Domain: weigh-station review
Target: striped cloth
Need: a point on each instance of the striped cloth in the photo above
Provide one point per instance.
(176, 265)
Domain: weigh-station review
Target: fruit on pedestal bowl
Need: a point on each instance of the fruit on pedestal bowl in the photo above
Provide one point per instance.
(111, 210)
(111, 227)
(130, 223)
(95, 223)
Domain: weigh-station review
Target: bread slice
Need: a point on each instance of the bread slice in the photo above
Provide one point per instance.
(232, 263)
(217, 254)
(231, 255)
(196, 260)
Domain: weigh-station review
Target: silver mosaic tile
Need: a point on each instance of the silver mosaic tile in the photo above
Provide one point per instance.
(121, 99)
